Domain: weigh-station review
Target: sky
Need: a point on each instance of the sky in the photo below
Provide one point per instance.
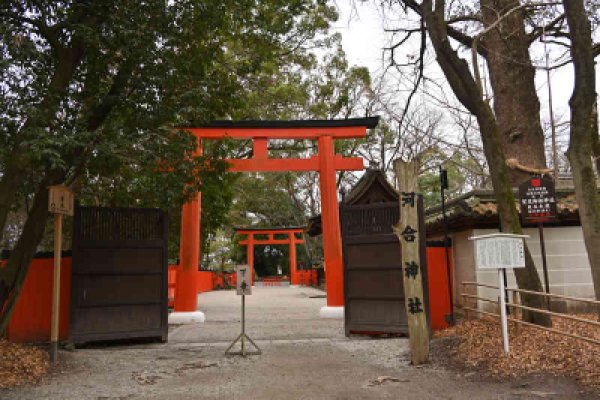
(363, 39)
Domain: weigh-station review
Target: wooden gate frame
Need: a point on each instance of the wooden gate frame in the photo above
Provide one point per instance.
(385, 235)
(112, 240)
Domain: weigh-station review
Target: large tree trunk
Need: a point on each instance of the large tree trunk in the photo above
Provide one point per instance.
(12, 276)
(512, 77)
(584, 133)
(466, 90)
(528, 277)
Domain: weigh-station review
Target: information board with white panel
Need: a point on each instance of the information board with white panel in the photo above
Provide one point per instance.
(499, 252)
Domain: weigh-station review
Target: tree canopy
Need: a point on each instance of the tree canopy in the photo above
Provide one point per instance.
(93, 93)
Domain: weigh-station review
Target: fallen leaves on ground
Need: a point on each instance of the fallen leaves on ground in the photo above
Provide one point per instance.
(21, 364)
(532, 350)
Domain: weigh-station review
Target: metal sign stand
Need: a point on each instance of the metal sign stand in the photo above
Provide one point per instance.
(537, 197)
(503, 319)
(444, 185)
(242, 289)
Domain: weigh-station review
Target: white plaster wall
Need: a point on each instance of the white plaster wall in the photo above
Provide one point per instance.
(463, 259)
(464, 263)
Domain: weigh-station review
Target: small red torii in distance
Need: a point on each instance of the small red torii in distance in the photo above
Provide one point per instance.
(251, 240)
(326, 162)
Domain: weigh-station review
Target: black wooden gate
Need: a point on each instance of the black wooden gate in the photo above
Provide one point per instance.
(373, 281)
(119, 283)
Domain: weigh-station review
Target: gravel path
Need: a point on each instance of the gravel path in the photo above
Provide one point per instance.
(304, 357)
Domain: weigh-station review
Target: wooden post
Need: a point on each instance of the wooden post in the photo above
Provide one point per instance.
(60, 201)
(517, 313)
(56, 289)
(250, 257)
(464, 301)
(407, 231)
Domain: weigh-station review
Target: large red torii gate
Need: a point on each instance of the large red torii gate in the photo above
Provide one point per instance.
(251, 240)
(326, 162)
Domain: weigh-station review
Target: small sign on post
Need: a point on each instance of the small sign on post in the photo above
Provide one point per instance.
(60, 202)
(243, 280)
(500, 251)
(537, 198)
(243, 288)
(408, 234)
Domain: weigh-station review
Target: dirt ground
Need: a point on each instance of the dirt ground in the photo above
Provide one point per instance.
(304, 357)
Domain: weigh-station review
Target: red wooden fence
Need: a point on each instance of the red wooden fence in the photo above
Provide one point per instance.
(30, 321)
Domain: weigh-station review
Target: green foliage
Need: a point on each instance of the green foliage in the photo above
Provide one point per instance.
(107, 83)
(429, 183)
(264, 200)
(93, 93)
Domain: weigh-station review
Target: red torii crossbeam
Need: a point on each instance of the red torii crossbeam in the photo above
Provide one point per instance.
(251, 240)
(326, 162)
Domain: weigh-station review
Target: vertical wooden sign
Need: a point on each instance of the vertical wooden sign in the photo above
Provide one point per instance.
(60, 201)
(408, 234)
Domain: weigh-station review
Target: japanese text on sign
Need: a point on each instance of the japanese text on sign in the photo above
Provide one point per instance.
(409, 234)
(499, 252)
(243, 285)
(537, 199)
(60, 200)
(414, 305)
(408, 199)
(411, 269)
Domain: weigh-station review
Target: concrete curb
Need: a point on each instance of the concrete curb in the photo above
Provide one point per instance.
(184, 318)
(332, 312)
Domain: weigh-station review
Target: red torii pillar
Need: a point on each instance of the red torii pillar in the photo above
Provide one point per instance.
(330, 222)
(186, 290)
(291, 240)
(293, 260)
(326, 162)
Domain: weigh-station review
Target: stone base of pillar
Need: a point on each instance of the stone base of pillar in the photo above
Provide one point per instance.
(185, 318)
(332, 312)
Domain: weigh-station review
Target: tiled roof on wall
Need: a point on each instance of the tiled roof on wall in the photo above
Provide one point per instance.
(478, 209)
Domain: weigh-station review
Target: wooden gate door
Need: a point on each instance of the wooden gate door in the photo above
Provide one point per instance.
(119, 283)
(373, 282)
